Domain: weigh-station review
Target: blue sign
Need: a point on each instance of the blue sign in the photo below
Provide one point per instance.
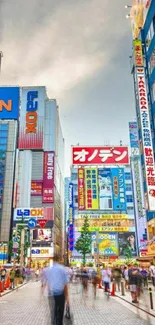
(105, 189)
(32, 223)
(119, 196)
(9, 103)
(15, 239)
(133, 133)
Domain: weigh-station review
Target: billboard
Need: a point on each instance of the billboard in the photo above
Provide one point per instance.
(104, 216)
(127, 241)
(38, 213)
(36, 188)
(81, 189)
(9, 103)
(42, 235)
(146, 138)
(48, 177)
(71, 217)
(118, 183)
(31, 126)
(105, 189)
(100, 155)
(133, 133)
(41, 252)
(91, 189)
(108, 243)
(138, 53)
(137, 17)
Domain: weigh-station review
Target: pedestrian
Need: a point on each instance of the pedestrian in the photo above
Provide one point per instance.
(37, 272)
(12, 278)
(144, 274)
(133, 283)
(17, 276)
(117, 275)
(84, 280)
(56, 280)
(152, 274)
(106, 279)
(3, 273)
(95, 281)
(126, 277)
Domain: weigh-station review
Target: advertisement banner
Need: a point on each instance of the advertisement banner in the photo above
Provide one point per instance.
(81, 189)
(107, 229)
(146, 138)
(38, 213)
(127, 242)
(137, 17)
(100, 155)
(48, 177)
(3, 253)
(108, 243)
(105, 189)
(9, 103)
(36, 188)
(41, 252)
(121, 186)
(91, 189)
(106, 223)
(133, 133)
(44, 235)
(104, 216)
(31, 126)
(138, 53)
(71, 217)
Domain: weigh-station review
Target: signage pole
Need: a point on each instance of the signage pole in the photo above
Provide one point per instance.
(31, 237)
(97, 245)
(22, 247)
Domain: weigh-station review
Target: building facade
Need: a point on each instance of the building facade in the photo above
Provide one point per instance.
(102, 190)
(143, 70)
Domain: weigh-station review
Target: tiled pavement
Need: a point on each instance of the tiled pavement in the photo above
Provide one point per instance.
(29, 307)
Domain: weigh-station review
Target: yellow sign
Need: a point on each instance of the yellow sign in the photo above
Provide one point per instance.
(151, 249)
(137, 17)
(138, 53)
(103, 216)
(108, 229)
(91, 189)
(106, 223)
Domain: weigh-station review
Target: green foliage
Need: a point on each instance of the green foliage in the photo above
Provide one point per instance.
(83, 244)
(90, 264)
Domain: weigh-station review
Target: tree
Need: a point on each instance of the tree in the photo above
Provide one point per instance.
(83, 244)
(127, 252)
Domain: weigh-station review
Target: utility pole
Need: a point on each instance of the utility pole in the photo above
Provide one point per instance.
(1, 56)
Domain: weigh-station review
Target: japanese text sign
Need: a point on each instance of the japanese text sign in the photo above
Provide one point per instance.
(48, 177)
(137, 44)
(133, 133)
(146, 138)
(119, 200)
(71, 220)
(36, 188)
(91, 188)
(81, 194)
(100, 155)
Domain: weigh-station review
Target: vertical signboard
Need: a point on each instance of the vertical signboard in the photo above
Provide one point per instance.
(81, 189)
(133, 133)
(71, 217)
(138, 53)
(48, 177)
(105, 189)
(32, 118)
(36, 188)
(121, 184)
(137, 17)
(91, 189)
(146, 138)
(9, 103)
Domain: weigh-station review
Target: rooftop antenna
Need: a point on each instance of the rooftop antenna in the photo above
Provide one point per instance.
(121, 143)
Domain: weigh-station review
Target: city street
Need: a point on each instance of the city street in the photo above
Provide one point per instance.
(28, 306)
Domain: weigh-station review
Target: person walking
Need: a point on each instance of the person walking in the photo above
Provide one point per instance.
(12, 278)
(144, 274)
(106, 279)
(133, 272)
(152, 273)
(3, 273)
(17, 276)
(56, 281)
(117, 275)
(126, 277)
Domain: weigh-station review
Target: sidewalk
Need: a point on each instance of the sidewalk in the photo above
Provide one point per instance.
(144, 300)
(7, 291)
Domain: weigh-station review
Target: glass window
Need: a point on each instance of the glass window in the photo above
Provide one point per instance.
(129, 198)
(127, 176)
(3, 140)
(2, 147)
(152, 62)
(128, 188)
(4, 133)
(150, 35)
(74, 177)
(4, 127)
(153, 92)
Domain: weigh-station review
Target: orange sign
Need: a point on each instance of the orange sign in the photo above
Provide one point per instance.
(7, 105)
(151, 249)
(138, 53)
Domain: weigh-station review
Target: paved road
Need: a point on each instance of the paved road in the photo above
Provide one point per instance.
(29, 307)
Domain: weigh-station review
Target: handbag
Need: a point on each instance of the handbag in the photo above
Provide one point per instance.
(68, 318)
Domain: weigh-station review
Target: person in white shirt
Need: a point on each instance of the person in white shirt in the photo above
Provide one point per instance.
(152, 273)
(106, 278)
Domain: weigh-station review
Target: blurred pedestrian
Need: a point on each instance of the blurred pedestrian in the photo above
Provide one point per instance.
(117, 275)
(3, 273)
(144, 274)
(84, 280)
(56, 280)
(12, 278)
(126, 277)
(17, 276)
(133, 283)
(95, 281)
(37, 272)
(152, 273)
(106, 278)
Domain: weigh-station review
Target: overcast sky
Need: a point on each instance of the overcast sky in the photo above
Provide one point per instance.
(80, 50)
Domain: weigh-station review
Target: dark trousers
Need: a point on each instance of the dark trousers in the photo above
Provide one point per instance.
(57, 305)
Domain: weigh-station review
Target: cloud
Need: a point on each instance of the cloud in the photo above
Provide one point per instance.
(60, 44)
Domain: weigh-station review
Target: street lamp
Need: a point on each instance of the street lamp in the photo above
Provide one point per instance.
(127, 6)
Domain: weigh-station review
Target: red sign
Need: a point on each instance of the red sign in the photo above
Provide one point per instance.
(81, 196)
(100, 155)
(42, 223)
(36, 188)
(48, 177)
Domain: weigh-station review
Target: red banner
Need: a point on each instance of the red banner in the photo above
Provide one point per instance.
(36, 188)
(100, 155)
(81, 196)
(48, 177)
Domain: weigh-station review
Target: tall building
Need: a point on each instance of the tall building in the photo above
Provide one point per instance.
(143, 70)
(101, 188)
(9, 111)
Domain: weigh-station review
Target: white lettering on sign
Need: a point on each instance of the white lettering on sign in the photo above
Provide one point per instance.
(50, 166)
(146, 138)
